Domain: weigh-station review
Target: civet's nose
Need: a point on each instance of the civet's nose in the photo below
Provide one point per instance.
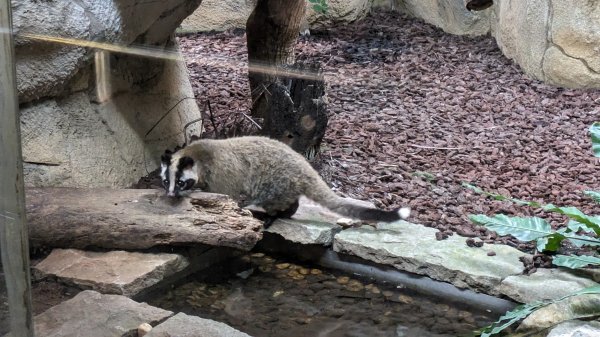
(171, 194)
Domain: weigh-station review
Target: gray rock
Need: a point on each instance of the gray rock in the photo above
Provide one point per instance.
(576, 31)
(576, 329)
(88, 112)
(450, 15)
(559, 46)
(92, 314)
(182, 325)
(114, 272)
(554, 41)
(312, 224)
(305, 231)
(413, 248)
(544, 284)
(564, 70)
(568, 309)
(509, 21)
(219, 15)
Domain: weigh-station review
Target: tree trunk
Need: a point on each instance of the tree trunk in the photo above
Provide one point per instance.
(289, 98)
(271, 33)
(136, 219)
(296, 111)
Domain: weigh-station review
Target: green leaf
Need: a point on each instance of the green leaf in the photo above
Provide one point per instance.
(550, 243)
(512, 316)
(575, 262)
(578, 240)
(595, 135)
(524, 229)
(577, 215)
(594, 195)
(318, 8)
(575, 226)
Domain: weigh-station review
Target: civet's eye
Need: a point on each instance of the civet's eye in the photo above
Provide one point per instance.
(181, 183)
(166, 182)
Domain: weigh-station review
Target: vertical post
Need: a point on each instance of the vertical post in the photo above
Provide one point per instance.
(13, 228)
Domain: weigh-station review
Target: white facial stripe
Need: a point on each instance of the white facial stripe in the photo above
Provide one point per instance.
(189, 174)
(163, 171)
(172, 181)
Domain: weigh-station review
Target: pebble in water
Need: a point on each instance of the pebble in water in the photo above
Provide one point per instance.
(354, 285)
(343, 279)
(304, 271)
(143, 329)
(282, 265)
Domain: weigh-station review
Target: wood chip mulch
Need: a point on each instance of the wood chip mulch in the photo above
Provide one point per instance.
(415, 111)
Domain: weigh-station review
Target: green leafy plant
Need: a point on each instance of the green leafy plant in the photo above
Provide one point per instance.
(319, 6)
(539, 230)
(546, 239)
(595, 135)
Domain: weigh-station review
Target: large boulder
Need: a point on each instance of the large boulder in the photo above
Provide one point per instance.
(93, 78)
(554, 40)
(449, 15)
(220, 15)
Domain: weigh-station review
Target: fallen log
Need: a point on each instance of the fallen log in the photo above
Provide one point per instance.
(135, 219)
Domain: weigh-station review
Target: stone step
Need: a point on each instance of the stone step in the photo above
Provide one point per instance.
(113, 272)
(182, 325)
(92, 314)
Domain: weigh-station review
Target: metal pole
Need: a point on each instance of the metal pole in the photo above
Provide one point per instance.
(13, 228)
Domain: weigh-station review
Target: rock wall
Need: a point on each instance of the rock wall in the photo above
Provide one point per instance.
(85, 112)
(220, 15)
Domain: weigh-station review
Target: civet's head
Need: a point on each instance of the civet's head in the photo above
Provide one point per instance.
(178, 173)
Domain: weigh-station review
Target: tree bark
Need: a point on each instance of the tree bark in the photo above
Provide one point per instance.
(136, 219)
(271, 33)
(289, 98)
(296, 112)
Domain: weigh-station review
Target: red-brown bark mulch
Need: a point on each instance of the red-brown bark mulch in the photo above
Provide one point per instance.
(415, 111)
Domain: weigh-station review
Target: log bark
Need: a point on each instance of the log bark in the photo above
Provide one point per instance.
(136, 219)
(295, 110)
(271, 33)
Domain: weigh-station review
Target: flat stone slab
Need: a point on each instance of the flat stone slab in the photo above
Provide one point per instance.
(544, 284)
(182, 325)
(413, 248)
(587, 305)
(114, 272)
(92, 314)
(576, 329)
(312, 223)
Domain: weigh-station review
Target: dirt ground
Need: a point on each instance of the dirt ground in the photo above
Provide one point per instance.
(415, 111)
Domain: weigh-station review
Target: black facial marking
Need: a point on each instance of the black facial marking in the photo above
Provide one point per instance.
(189, 184)
(185, 163)
(166, 157)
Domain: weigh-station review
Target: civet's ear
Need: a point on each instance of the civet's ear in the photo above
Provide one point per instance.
(185, 163)
(166, 157)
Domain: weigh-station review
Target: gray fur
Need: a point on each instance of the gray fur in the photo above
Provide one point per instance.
(267, 173)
